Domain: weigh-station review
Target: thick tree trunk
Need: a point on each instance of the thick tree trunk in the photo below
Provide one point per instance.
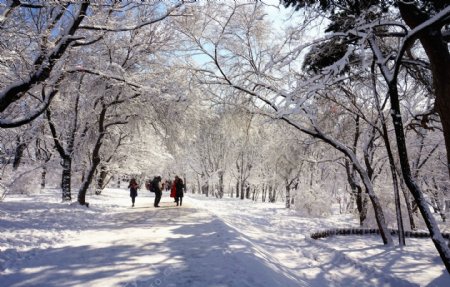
(270, 193)
(263, 193)
(43, 176)
(273, 198)
(101, 180)
(89, 175)
(361, 205)
(95, 158)
(357, 193)
(438, 54)
(242, 187)
(288, 196)
(205, 186)
(66, 178)
(18, 154)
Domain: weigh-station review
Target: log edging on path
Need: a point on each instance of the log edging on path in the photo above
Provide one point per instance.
(369, 231)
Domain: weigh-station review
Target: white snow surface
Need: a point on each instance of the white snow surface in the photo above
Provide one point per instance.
(206, 242)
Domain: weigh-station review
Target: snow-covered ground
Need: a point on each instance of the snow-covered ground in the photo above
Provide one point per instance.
(206, 242)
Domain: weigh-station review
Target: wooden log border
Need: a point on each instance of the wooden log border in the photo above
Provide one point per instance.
(368, 231)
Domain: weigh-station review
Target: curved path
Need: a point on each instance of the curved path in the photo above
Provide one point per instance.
(186, 246)
(145, 246)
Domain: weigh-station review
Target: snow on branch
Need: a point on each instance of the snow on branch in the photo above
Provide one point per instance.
(101, 74)
(135, 27)
(44, 63)
(8, 123)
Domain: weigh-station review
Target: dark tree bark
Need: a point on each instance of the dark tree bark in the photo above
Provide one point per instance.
(102, 127)
(288, 196)
(66, 153)
(247, 192)
(357, 193)
(221, 189)
(21, 145)
(43, 177)
(263, 192)
(95, 158)
(44, 156)
(436, 48)
(101, 179)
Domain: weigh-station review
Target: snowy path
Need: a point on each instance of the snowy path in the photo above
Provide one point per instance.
(311, 262)
(204, 243)
(144, 246)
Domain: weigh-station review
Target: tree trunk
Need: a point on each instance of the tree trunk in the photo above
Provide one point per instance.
(43, 176)
(272, 193)
(221, 188)
(95, 158)
(357, 193)
(435, 233)
(242, 187)
(438, 54)
(18, 154)
(89, 175)
(66, 178)
(288, 196)
(361, 205)
(101, 180)
(408, 204)
(263, 193)
(392, 168)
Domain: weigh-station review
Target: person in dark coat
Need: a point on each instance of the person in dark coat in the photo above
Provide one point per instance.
(133, 186)
(157, 186)
(179, 187)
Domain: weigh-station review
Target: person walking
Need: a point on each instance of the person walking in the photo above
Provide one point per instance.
(157, 187)
(133, 186)
(173, 192)
(179, 186)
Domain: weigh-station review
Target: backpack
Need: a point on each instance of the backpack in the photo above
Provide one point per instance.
(150, 186)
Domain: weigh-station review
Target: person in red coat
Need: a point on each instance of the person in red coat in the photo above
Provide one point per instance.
(173, 191)
(179, 190)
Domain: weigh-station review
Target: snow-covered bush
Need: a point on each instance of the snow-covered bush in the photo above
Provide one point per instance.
(24, 181)
(312, 201)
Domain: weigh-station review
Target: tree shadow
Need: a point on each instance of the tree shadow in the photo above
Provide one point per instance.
(196, 250)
